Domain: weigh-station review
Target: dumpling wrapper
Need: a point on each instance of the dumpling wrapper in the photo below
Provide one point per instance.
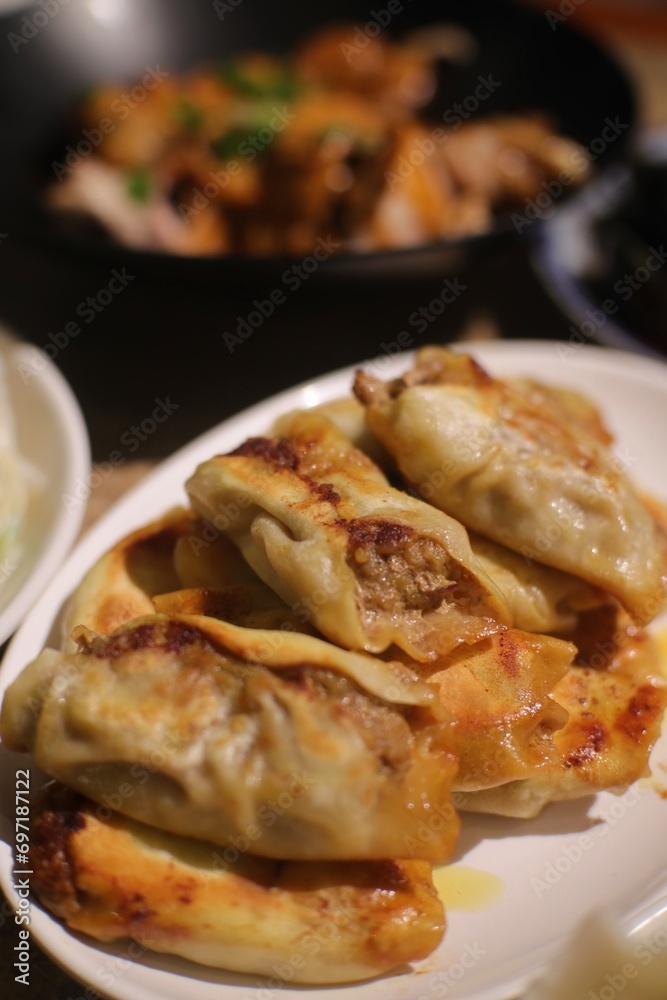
(504, 715)
(175, 564)
(248, 605)
(110, 877)
(520, 469)
(542, 599)
(372, 566)
(614, 716)
(121, 584)
(568, 406)
(349, 416)
(205, 729)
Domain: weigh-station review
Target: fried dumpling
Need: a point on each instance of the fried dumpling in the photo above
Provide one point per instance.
(614, 712)
(504, 716)
(216, 581)
(110, 877)
(542, 599)
(372, 566)
(567, 405)
(510, 465)
(251, 605)
(121, 584)
(349, 416)
(203, 729)
(173, 564)
(204, 557)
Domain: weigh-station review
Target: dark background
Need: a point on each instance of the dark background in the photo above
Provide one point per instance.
(163, 335)
(144, 346)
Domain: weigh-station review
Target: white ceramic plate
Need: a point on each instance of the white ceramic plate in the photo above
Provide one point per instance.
(51, 436)
(550, 879)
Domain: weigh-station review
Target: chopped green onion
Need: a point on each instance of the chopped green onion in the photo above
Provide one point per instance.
(139, 184)
(188, 115)
(226, 146)
(279, 86)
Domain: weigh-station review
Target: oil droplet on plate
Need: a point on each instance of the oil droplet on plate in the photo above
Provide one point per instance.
(661, 643)
(464, 888)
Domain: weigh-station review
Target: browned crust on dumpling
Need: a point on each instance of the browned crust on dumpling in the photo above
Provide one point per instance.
(110, 877)
(121, 585)
(614, 713)
(247, 716)
(539, 477)
(397, 570)
(614, 718)
(434, 367)
(505, 719)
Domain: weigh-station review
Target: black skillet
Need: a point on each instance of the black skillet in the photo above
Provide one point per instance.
(535, 61)
(164, 336)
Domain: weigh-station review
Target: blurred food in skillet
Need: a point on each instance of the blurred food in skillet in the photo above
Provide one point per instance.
(339, 143)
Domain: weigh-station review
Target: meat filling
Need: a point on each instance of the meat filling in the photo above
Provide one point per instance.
(399, 570)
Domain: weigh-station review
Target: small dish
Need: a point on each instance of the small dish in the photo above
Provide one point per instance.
(52, 440)
(602, 256)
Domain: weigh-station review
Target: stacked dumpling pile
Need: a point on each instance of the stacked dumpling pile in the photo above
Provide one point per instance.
(270, 707)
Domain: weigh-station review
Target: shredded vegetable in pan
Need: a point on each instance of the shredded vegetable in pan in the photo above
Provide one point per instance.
(261, 156)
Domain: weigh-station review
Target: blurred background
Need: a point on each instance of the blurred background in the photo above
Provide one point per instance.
(204, 336)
